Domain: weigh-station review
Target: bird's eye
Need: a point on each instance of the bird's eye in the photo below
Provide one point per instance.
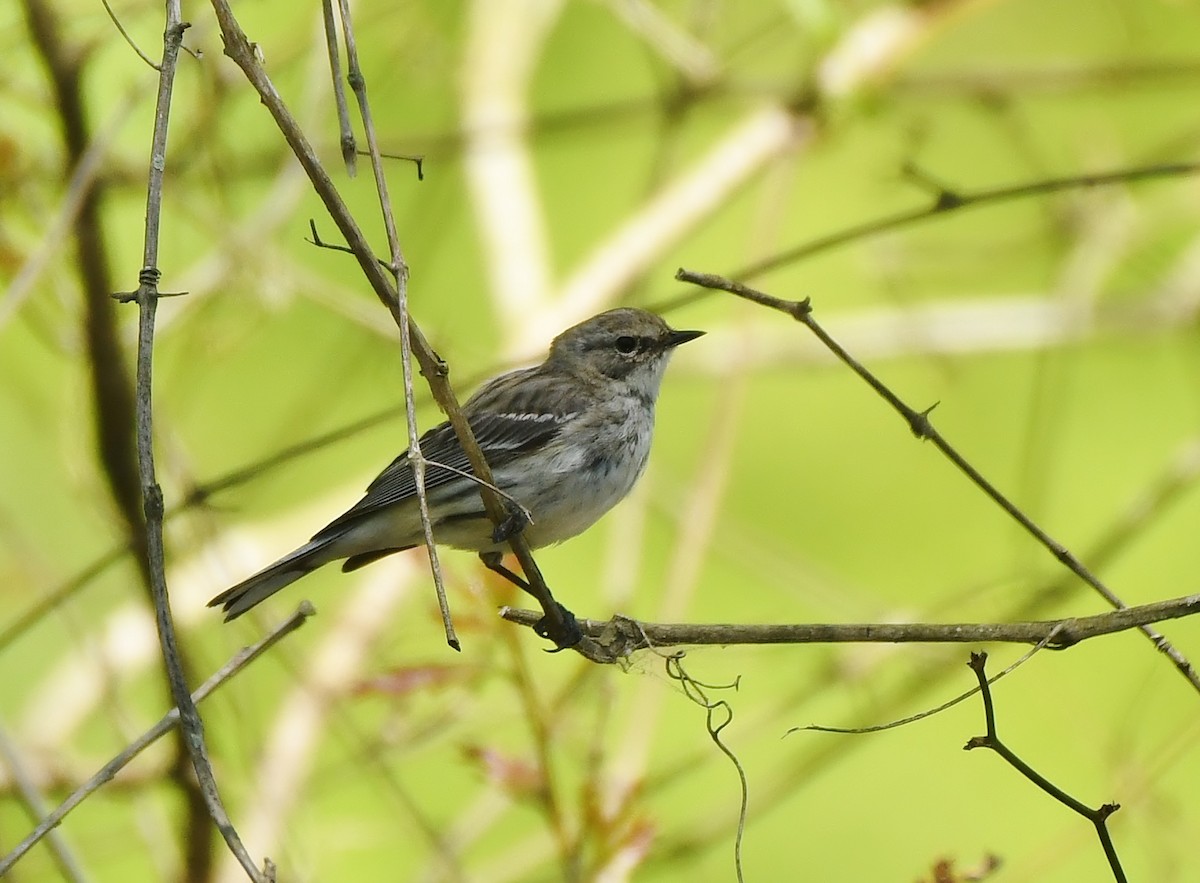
(626, 344)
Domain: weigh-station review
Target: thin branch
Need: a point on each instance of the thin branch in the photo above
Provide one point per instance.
(937, 709)
(921, 427)
(147, 299)
(1054, 77)
(943, 202)
(168, 722)
(1098, 817)
(621, 636)
(68, 865)
(399, 270)
(113, 407)
(128, 39)
(345, 133)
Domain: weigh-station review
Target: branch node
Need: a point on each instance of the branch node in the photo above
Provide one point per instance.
(945, 198)
(918, 422)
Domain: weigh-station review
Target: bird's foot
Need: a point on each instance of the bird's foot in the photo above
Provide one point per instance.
(565, 635)
(516, 519)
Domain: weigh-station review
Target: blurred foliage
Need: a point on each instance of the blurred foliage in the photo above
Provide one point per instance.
(1057, 333)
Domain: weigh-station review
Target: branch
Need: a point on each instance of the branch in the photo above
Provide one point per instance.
(399, 270)
(152, 498)
(68, 864)
(1098, 817)
(945, 200)
(621, 636)
(168, 722)
(920, 426)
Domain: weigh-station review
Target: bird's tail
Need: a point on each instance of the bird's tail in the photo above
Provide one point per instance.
(236, 600)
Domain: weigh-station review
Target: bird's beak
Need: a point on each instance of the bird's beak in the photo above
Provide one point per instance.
(675, 338)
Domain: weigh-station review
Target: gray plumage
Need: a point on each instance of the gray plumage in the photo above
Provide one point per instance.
(567, 439)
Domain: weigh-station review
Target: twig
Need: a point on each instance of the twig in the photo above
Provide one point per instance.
(943, 202)
(946, 200)
(921, 427)
(399, 270)
(168, 722)
(128, 39)
(621, 636)
(113, 407)
(1098, 817)
(937, 709)
(68, 865)
(345, 133)
(147, 299)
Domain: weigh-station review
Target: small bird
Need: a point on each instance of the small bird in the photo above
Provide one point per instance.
(566, 440)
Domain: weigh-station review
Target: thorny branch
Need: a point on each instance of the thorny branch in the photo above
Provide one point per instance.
(921, 426)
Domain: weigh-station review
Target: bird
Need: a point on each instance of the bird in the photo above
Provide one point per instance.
(566, 441)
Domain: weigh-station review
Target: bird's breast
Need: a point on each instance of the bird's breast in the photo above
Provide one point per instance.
(584, 472)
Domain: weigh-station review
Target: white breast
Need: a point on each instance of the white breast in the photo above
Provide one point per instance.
(586, 474)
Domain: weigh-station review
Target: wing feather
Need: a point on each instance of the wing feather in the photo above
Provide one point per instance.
(523, 424)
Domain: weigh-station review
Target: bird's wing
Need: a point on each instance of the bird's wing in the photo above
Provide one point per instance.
(503, 436)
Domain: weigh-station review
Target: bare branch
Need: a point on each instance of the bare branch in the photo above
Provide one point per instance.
(168, 722)
(1098, 817)
(399, 270)
(944, 201)
(152, 499)
(621, 636)
(68, 865)
(921, 427)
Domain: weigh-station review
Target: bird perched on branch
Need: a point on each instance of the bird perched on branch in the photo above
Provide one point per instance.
(566, 441)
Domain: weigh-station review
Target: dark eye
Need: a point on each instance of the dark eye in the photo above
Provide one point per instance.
(626, 344)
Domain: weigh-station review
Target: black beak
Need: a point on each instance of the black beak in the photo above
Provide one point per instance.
(675, 338)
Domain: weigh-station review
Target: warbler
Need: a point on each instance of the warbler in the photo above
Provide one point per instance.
(566, 440)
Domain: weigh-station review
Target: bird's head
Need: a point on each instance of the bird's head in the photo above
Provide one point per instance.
(627, 345)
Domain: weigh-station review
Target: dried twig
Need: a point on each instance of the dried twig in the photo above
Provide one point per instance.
(1098, 817)
(945, 200)
(152, 500)
(169, 721)
(398, 267)
(621, 636)
(921, 427)
(68, 864)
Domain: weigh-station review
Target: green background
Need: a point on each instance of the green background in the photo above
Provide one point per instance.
(1057, 334)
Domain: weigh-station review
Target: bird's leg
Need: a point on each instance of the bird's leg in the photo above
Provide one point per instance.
(492, 561)
(515, 520)
(568, 635)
